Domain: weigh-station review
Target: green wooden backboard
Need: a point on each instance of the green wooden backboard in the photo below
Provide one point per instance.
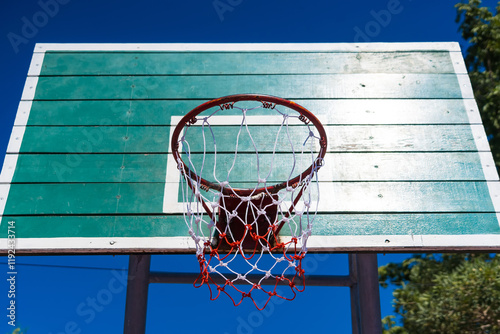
(408, 167)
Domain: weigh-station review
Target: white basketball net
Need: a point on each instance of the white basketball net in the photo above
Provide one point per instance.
(243, 258)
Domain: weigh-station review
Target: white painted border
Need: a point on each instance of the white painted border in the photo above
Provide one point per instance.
(333, 47)
(9, 166)
(4, 194)
(479, 135)
(23, 113)
(489, 168)
(465, 86)
(472, 111)
(315, 243)
(16, 137)
(480, 138)
(458, 62)
(36, 64)
(29, 89)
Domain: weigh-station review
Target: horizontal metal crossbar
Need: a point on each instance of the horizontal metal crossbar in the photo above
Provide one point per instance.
(189, 278)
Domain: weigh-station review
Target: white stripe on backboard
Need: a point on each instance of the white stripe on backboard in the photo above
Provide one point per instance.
(9, 166)
(29, 88)
(315, 243)
(494, 188)
(322, 243)
(480, 138)
(23, 113)
(472, 111)
(4, 194)
(325, 47)
(489, 168)
(36, 64)
(171, 190)
(173, 244)
(458, 62)
(465, 86)
(16, 139)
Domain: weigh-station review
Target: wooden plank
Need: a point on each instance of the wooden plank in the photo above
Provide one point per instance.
(87, 168)
(48, 168)
(79, 198)
(96, 226)
(154, 139)
(216, 63)
(150, 112)
(404, 86)
(146, 198)
(109, 139)
(324, 225)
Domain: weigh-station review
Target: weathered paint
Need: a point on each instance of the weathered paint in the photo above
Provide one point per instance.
(408, 163)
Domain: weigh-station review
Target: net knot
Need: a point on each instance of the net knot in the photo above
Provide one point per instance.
(261, 212)
(223, 184)
(275, 202)
(289, 189)
(241, 277)
(268, 274)
(262, 180)
(246, 199)
(214, 205)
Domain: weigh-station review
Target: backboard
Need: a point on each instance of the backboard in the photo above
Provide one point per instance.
(408, 166)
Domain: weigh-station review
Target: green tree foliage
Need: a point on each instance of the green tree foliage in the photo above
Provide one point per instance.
(449, 293)
(481, 29)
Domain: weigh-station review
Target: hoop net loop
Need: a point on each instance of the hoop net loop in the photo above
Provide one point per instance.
(250, 227)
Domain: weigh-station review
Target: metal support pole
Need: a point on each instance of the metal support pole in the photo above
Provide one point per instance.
(368, 294)
(137, 294)
(354, 290)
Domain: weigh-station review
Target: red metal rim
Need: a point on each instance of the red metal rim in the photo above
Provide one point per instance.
(190, 117)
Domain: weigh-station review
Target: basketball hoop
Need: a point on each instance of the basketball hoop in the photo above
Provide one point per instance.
(237, 229)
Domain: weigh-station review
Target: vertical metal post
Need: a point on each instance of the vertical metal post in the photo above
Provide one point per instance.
(354, 290)
(369, 295)
(137, 294)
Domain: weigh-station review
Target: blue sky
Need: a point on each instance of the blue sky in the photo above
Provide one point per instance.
(61, 294)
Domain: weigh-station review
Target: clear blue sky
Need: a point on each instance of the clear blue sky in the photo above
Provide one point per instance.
(54, 299)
